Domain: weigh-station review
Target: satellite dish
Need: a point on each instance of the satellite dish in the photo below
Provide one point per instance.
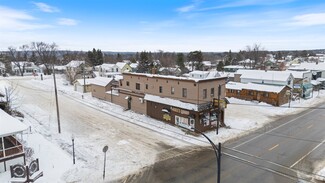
(105, 149)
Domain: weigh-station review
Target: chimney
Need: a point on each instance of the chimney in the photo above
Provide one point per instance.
(154, 70)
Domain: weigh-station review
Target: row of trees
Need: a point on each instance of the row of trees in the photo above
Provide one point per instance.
(37, 52)
(48, 54)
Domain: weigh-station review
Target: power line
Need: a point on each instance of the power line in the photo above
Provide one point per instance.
(271, 162)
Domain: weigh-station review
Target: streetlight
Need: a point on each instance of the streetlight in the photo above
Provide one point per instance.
(73, 154)
(104, 150)
(217, 151)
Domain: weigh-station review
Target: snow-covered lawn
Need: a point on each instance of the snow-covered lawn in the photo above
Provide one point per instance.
(54, 151)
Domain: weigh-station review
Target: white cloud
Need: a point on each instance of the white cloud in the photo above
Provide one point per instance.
(46, 8)
(17, 20)
(242, 3)
(67, 21)
(185, 9)
(309, 19)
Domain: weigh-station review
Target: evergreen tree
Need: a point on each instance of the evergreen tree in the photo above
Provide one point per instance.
(229, 58)
(91, 57)
(145, 63)
(95, 57)
(180, 61)
(119, 58)
(99, 57)
(220, 66)
(196, 58)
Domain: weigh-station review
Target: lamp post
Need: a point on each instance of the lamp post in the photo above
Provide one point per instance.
(104, 150)
(73, 154)
(217, 151)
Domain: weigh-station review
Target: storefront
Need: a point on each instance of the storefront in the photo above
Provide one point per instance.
(307, 90)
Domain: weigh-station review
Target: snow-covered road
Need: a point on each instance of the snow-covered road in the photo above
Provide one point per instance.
(134, 140)
(130, 147)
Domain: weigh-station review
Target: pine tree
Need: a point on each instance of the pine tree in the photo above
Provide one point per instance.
(229, 58)
(196, 58)
(180, 61)
(145, 65)
(220, 66)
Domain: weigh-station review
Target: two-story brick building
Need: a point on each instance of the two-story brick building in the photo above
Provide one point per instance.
(182, 101)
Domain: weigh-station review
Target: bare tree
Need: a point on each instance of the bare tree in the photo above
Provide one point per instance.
(11, 97)
(14, 57)
(46, 54)
(255, 53)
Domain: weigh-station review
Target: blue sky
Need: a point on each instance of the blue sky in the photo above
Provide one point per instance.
(168, 25)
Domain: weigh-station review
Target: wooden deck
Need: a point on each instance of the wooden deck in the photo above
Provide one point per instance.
(12, 148)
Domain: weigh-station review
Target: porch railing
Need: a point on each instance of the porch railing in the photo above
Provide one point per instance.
(11, 151)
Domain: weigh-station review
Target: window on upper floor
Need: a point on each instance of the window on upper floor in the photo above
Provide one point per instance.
(172, 90)
(147, 86)
(212, 92)
(137, 86)
(184, 92)
(160, 89)
(205, 93)
(127, 83)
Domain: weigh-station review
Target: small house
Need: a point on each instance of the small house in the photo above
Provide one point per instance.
(274, 95)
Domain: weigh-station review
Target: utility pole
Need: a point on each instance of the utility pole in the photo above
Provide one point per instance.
(56, 101)
(218, 119)
(83, 71)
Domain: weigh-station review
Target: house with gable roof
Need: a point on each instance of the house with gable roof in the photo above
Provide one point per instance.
(108, 70)
(270, 94)
(277, 78)
(123, 67)
(24, 68)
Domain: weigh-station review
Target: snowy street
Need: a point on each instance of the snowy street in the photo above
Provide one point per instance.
(134, 140)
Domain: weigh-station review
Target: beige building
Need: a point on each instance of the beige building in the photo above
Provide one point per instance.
(182, 101)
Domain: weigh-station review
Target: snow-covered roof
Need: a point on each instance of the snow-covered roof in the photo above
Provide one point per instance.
(206, 63)
(171, 102)
(59, 67)
(75, 63)
(247, 61)
(315, 82)
(310, 66)
(108, 66)
(253, 86)
(297, 74)
(234, 67)
(120, 64)
(101, 81)
(10, 125)
(134, 65)
(2, 65)
(264, 75)
(211, 75)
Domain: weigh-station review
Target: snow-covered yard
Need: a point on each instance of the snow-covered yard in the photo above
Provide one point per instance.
(55, 153)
